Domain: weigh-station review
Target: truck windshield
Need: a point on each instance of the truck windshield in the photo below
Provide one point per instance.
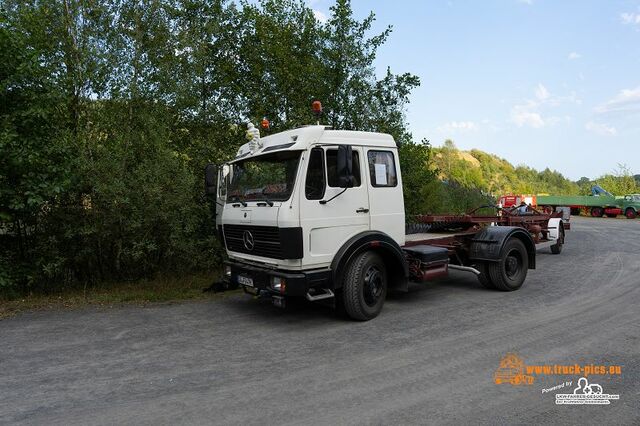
(268, 177)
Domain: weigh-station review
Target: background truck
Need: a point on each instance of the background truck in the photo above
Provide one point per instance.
(600, 203)
(319, 214)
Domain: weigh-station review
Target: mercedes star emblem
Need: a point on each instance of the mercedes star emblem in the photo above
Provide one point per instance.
(247, 239)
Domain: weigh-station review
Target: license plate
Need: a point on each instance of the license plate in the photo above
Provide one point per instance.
(245, 280)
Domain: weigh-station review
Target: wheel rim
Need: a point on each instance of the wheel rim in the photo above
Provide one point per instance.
(373, 286)
(630, 214)
(513, 264)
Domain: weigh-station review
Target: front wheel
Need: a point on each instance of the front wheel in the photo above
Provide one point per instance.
(630, 213)
(365, 286)
(510, 271)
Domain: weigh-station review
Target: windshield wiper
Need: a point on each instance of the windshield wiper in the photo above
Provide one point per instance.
(266, 198)
(267, 201)
(238, 199)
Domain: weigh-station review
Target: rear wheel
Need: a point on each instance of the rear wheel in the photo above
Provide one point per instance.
(365, 286)
(484, 277)
(557, 247)
(510, 271)
(630, 213)
(597, 211)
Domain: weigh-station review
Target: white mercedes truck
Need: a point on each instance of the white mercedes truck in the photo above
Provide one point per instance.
(319, 214)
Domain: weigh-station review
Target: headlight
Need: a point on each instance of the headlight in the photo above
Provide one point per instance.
(278, 284)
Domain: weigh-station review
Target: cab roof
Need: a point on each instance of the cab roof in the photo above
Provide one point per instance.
(303, 137)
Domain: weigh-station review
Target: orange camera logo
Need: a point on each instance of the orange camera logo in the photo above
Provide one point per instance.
(512, 370)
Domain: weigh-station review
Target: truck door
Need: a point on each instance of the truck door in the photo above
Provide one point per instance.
(385, 193)
(326, 227)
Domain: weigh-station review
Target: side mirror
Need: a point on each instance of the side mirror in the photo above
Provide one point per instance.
(210, 178)
(345, 166)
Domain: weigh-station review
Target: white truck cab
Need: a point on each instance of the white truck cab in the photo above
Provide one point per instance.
(319, 213)
(290, 182)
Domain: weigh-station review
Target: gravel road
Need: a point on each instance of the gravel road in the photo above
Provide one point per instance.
(429, 358)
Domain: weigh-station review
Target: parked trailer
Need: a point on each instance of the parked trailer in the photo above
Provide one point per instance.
(597, 206)
(593, 205)
(319, 214)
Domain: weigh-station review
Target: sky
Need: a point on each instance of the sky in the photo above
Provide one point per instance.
(546, 83)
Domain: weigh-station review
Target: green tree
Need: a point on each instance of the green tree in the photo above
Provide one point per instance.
(111, 109)
(419, 182)
(620, 182)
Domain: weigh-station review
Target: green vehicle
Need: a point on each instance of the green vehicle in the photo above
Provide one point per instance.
(631, 205)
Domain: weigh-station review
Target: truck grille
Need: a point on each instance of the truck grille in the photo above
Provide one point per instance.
(268, 241)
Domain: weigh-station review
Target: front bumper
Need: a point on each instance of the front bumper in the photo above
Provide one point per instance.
(297, 283)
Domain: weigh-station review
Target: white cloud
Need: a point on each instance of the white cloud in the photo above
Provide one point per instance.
(630, 18)
(320, 17)
(628, 100)
(458, 126)
(528, 113)
(600, 129)
(521, 117)
(541, 92)
(574, 55)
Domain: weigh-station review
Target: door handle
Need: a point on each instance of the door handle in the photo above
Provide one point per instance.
(362, 210)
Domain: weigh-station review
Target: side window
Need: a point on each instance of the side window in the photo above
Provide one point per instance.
(382, 168)
(332, 168)
(315, 182)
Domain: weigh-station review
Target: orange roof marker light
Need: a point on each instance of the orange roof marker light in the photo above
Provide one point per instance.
(316, 107)
(265, 124)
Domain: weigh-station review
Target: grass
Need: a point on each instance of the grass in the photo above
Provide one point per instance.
(142, 292)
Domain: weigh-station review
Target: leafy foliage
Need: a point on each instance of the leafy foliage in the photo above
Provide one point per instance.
(496, 176)
(620, 182)
(110, 110)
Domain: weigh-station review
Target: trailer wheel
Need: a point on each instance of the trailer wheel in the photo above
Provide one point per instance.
(630, 213)
(484, 277)
(510, 271)
(597, 211)
(557, 247)
(365, 286)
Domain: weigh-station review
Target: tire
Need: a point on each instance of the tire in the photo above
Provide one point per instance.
(630, 213)
(365, 286)
(484, 277)
(510, 271)
(557, 248)
(597, 211)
